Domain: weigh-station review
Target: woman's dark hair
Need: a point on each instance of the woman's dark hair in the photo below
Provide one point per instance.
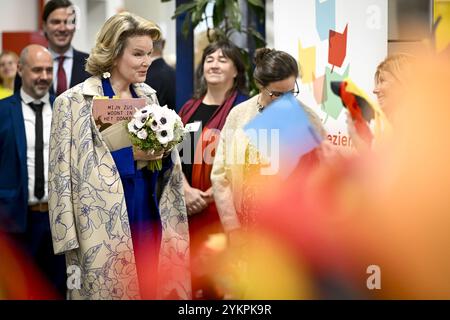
(272, 65)
(230, 51)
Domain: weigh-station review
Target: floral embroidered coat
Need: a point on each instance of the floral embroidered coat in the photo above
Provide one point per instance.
(88, 214)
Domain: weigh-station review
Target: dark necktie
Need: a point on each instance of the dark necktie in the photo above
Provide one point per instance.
(39, 180)
(61, 85)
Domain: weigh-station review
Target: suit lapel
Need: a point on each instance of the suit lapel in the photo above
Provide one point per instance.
(74, 75)
(19, 128)
(52, 100)
(77, 74)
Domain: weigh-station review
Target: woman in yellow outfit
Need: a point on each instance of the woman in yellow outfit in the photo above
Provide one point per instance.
(8, 70)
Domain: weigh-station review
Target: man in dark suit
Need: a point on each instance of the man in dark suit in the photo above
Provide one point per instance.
(59, 24)
(161, 76)
(25, 120)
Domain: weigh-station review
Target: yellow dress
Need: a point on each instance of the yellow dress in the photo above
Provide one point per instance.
(5, 92)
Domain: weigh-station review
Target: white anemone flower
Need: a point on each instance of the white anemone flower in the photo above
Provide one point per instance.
(140, 121)
(142, 134)
(154, 125)
(168, 117)
(137, 113)
(174, 117)
(147, 111)
(164, 136)
(132, 127)
(153, 107)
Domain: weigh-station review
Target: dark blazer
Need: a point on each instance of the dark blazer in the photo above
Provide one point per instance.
(13, 165)
(78, 72)
(161, 77)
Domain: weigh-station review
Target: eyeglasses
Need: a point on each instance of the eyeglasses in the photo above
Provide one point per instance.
(277, 94)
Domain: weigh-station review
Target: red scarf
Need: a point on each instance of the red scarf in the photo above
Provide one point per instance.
(207, 221)
(201, 171)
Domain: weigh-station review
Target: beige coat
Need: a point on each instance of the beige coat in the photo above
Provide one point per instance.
(235, 162)
(88, 215)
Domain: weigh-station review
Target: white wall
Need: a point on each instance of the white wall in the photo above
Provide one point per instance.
(80, 38)
(295, 21)
(161, 14)
(269, 24)
(12, 10)
(91, 16)
(96, 13)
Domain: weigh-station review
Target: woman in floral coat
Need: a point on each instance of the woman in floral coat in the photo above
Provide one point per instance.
(120, 240)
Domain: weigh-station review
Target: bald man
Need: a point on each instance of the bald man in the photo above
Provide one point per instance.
(25, 120)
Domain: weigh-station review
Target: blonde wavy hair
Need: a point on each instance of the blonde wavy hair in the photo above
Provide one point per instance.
(112, 39)
(397, 65)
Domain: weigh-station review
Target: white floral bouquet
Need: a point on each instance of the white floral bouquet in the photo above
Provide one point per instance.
(156, 129)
